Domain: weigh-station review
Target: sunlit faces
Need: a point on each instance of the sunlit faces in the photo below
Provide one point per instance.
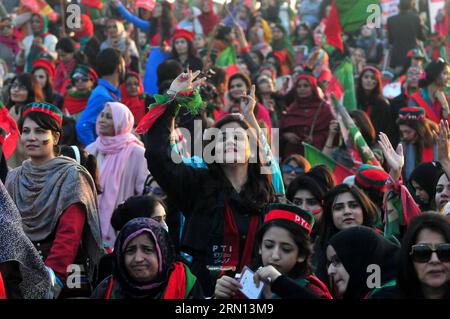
(36, 24)
(141, 258)
(347, 212)
(64, 56)
(420, 192)
(265, 85)
(232, 146)
(442, 196)
(112, 29)
(38, 142)
(41, 77)
(433, 274)
(18, 92)
(181, 46)
(82, 82)
(306, 201)
(408, 134)
(132, 86)
(279, 249)
(303, 89)
(237, 88)
(337, 272)
(157, 10)
(290, 171)
(443, 78)
(368, 80)
(106, 123)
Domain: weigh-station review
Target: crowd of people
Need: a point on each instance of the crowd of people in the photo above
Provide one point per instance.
(158, 149)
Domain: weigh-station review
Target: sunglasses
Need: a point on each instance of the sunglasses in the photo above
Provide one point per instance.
(19, 87)
(80, 79)
(289, 169)
(421, 253)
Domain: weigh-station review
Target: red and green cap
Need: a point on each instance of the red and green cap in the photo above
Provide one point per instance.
(43, 107)
(2, 136)
(370, 176)
(411, 113)
(182, 33)
(416, 53)
(291, 213)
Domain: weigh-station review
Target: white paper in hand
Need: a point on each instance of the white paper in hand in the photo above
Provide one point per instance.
(248, 285)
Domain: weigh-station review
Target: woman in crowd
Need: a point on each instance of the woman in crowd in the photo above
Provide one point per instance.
(9, 43)
(117, 38)
(292, 166)
(120, 156)
(215, 199)
(344, 206)
(424, 259)
(423, 181)
(269, 98)
(431, 96)
(132, 95)
(59, 212)
(145, 266)
(44, 73)
(208, 19)
(24, 89)
(38, 43)
(369, 94)
(69, 57)
(183, 50)
(84, 78)
(282, 248)
(351, 253)
(307, 119)
(21, 268)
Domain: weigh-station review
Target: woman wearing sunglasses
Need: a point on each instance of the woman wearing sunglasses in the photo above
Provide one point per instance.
(424, 263)
(292, 167)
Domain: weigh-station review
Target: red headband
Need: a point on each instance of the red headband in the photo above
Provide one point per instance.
(282, 214)
(55, 115)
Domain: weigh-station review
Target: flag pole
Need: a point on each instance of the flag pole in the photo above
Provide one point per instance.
(63, 16)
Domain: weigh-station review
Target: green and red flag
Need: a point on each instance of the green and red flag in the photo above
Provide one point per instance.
(344, 74)
(41, 7)
(358, 144)
(315, 157)
(227, 60)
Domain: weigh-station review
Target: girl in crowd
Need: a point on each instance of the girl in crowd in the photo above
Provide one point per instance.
(344, 206)
(24, 89)
(292, 167)
(208, 19)
(120, 156)
(431, 96)
(423, 180)
(424, 259)
(238, 86)
(44, 73)
(9, 43)
(68, 57)
(59, 213)
(282, 249)
(132, 95)
(21, 268)
(350, 253)
(371, 100)
(223, 204)
(117, 38)
(183, 50)
(145, 266)
(307, 119)
(38, 43)
(272, 100)
(84, 79)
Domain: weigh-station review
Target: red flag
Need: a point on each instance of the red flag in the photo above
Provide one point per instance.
(333, 28)
(12, 132)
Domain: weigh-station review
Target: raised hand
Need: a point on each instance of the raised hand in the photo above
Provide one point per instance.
(184, 82)
(442, 141)
(394, 158)
(248, 102)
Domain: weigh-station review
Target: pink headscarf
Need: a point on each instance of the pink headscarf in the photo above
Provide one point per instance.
(116, 150)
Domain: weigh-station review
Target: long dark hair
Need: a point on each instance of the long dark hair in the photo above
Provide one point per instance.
(300, 238)
(377, 92)
(47, 90)
(408, 283)
(365, 126)
(191, 50)
(327, 227)
(166, 21)
(34, 90)
(424, 133)
(258, 191)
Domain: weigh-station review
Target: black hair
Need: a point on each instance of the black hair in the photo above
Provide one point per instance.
(68, 45)
(69, 132)
(433, 71)
(300, 238)
(168, 70)
(33, 88)
(108, 60)
(408, 283)
(134, 207)
(191, 50)
(88, 161)
(307, 182)
(166, 21)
